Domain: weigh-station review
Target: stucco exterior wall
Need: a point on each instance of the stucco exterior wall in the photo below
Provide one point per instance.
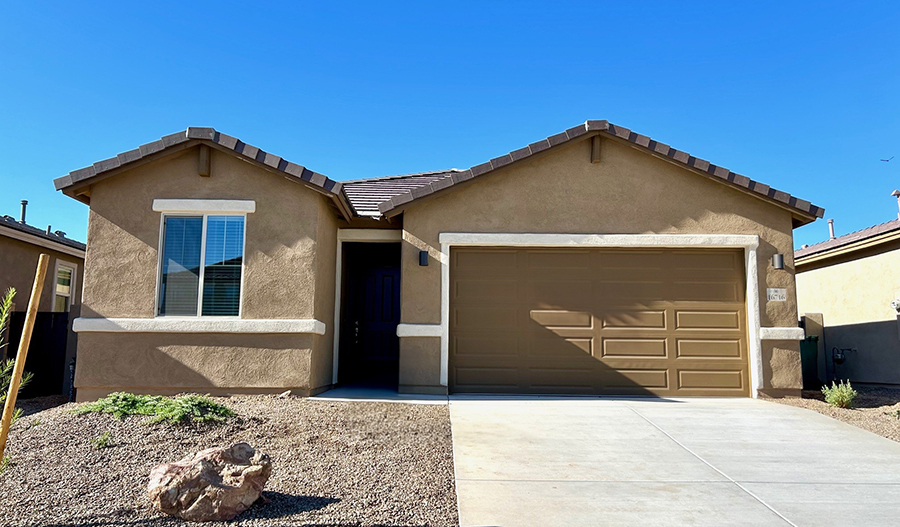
(628, 192)
(854, 294)
(281, 274)
(326, 252)
(18, 262)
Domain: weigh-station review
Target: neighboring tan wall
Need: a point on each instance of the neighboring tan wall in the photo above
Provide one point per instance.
(628, 192)
(281, 277)
(18, 263)
(854, 294)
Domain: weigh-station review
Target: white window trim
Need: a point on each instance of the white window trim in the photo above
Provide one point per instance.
(749, 243)
(352, 235)
(68, 265)
(204, 206)
(197, 325)
(159, 260)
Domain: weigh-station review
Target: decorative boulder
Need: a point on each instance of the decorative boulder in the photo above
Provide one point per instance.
(215, 484)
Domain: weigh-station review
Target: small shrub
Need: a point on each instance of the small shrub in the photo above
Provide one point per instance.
(102, 441)
(5, 463)
(895, 414)
(840, 395)
(182, 409)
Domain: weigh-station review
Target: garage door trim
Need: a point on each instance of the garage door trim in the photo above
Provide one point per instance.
(749, 243)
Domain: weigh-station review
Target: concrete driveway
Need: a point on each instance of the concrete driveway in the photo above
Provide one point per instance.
(644, 462)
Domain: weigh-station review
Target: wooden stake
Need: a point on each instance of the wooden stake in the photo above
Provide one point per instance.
(16, 380)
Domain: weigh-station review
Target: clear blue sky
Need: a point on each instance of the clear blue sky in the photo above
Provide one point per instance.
(802, 96)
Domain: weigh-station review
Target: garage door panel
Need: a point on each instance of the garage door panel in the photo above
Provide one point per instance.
(469, 291)
(635, 319)
(634, 347)
(490, 318)
(542, 261)
(559, 292)
(617, 291)
(693, 348)
(634, 378)
(558, 348)
(489, 346)
(705, 379)
(562, 318)
(706, 291)
(635, 322)
(707, 319)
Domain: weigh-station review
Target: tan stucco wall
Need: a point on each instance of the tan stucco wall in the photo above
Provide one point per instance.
(18, 263)
(326, 252)
(854, 294)
(281, 277)
(628, 192)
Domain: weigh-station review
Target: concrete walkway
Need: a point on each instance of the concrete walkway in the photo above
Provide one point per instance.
(643, 462)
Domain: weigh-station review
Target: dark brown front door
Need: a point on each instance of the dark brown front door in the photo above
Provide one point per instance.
(369, 348)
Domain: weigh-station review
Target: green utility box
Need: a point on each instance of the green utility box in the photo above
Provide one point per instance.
(809, 362)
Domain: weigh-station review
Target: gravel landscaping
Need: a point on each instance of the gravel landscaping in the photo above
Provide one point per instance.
(334, 464)
(875, 409)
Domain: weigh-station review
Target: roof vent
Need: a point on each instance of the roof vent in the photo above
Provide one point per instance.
(804, 246)
(61, 234)
(830, 229)
(48, 229)
(896, 194)
(24, 206)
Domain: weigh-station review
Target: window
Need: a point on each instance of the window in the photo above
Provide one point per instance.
(188, 288)
(63, 287)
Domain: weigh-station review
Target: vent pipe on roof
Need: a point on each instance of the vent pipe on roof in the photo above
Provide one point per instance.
(48, 230)
(24, 206)
(896, 194)
(830, 229)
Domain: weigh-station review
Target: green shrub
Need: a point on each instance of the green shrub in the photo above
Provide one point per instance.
(102, 441)
(5, 463)
(172, 410)
(841, 395)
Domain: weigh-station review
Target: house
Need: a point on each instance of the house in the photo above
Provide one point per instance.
(850, 286)
(595, 261)
(54, 342)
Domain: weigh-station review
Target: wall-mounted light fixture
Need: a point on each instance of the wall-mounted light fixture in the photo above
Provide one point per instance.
(777, 261)
(423, 258)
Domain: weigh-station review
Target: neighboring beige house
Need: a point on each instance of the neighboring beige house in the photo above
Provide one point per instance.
(20, 247)
(595, 261)
(853, 281)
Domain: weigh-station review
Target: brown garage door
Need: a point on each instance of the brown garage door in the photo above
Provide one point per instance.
(598, 321)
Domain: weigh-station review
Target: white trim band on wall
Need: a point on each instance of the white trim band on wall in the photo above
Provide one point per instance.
(419, 330)
(197, 325)
(748, 242)
(782, 334)
(224, 206)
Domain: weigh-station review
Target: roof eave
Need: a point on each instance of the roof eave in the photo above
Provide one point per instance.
(74, 183)
(802, 211)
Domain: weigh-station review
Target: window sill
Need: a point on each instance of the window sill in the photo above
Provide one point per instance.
(197, 325)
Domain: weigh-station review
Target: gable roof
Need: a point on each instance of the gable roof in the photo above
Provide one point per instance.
(77, 179)
(882, 232)
(806, 211)
(389, 196)
(9, 226)
(366, 194)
